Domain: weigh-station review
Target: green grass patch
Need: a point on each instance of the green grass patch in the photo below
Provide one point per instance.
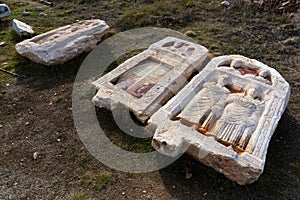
(77, 196)
(94, 181)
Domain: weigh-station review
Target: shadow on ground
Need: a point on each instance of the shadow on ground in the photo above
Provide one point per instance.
(277, 181)
(40, 77)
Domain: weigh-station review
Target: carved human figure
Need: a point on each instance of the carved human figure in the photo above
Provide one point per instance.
(240, 118)
(207, 105)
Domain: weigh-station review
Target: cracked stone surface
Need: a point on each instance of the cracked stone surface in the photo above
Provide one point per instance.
(63, 44)
(148, 80)
(225, 117)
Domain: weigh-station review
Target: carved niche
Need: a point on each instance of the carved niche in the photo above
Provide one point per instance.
(148, 80)
(224, 117)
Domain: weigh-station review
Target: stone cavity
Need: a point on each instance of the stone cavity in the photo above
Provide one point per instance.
(148, 80)
(22, 29)
(4, 11)
(225, 117)
(63, 44)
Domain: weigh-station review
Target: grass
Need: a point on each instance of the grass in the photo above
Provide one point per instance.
(58, 99)
(77, 196)
(94, 181)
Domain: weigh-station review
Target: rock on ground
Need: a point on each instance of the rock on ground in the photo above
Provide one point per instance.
(22, 29)
(4, 11)
(63, 44)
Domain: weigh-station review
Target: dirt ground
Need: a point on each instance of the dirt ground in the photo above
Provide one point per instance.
(36, 110)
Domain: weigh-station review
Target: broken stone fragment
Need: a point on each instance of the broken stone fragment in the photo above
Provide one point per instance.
(63, 44)
(26, 13)
(3, 44)
(48, 3)
(39, 8)
(225, 117)
(22, 29)
(4, 11)
(148, 80)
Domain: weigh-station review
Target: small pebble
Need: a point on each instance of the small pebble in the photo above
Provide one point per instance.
(1, 125)
(35, 155)
(26, 13)
(190, 33)
(42, 14)
(225, 3)
(144, 191)
(2, 44)
(123, 193)
(39, 8)
(27, 123)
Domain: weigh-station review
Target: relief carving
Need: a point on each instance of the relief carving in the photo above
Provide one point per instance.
(224, 117)
(148, 80)
(207, 105)
(240, 118)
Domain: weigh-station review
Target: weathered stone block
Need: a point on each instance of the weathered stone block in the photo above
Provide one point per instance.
(63, 44)
(224, 117)
(22, 29)
(146, 81)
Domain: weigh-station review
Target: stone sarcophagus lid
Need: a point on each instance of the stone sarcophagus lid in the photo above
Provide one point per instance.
(148, 80)
(224, 117)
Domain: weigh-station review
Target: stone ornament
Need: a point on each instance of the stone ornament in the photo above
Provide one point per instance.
(63, 44)
(4, 11)
(225, 117)
(22, 29)
(148, 80)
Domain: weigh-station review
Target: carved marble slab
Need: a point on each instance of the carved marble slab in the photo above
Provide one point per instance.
(63, 44)
(148, 80)
(224, 117)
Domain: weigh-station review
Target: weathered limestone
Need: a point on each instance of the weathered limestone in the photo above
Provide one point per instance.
(148, 80)
(63, 44)
(4, 11)
(22, 29)
(225, 117)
